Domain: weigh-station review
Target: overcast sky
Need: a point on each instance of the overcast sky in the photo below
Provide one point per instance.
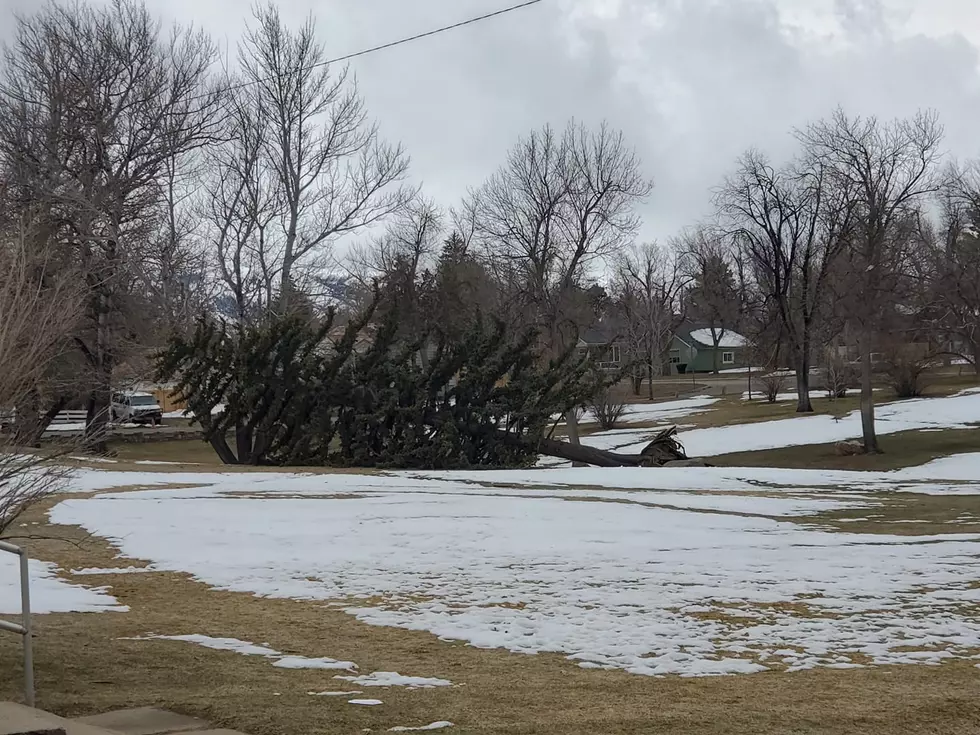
(693, 83)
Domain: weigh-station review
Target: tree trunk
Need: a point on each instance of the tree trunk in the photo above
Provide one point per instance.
(803, 404)
(653, 454)
(32, 438)
(221, 448)
(571, 423)
(650, 382)
(26, 428)
(100, 399)
(867, 397)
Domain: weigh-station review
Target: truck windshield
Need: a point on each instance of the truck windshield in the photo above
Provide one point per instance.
(142, 401)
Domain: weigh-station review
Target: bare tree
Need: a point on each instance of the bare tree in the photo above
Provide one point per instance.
(40, 303)
(558, 206)
(790, 224)
(648, 284)
(332, 172)
(94, 102)
(241, 206)
(954, 265)
(888, 169)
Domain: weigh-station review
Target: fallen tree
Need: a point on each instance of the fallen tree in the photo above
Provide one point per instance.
(282, 392)
(664, 448)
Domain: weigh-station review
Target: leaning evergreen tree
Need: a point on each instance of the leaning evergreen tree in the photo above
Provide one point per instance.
(261, 386)
(281, 392)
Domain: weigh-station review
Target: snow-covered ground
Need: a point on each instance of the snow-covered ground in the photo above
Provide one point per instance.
(758, 395)
(49, 593)
(959, 411)
(663, 411)
(645, 576)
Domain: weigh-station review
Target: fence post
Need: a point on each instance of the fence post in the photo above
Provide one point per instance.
(24, 629)
(25, 601)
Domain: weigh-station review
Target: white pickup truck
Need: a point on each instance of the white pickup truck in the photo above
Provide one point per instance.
(136, 408)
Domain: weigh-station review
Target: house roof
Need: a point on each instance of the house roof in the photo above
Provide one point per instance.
(599, 334)
(703, 336)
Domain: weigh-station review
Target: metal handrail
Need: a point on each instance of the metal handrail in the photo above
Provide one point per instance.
(24, 629)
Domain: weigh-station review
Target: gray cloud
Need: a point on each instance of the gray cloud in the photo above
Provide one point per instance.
(693, 83)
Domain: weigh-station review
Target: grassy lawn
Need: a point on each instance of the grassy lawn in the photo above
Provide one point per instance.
(84, 667)
(183, 451)
(908, 515)
(903, 449)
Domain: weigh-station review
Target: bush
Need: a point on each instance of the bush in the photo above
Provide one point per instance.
(840, 375)
(607, 408)
(772, 386)
(907, 368)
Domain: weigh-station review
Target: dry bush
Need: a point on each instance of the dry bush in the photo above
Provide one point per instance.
(907, 368)
(40, 303)
(840, 376)
(607, 408)
(24, 480)
(772, 385)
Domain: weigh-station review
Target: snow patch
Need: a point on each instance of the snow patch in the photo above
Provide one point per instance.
(333, 694)
(302, 662)
(394, 679)
(366, 702)
(247, 648)
(50, 593)
(111, 570)
(442, 724)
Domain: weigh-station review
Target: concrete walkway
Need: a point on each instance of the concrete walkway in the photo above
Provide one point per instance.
(16, 719)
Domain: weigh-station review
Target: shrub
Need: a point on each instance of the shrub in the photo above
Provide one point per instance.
(840, 375)
(607, 408)
(907, 368)
(772, 385)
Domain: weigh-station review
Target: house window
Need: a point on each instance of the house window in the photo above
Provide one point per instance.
(614, 354)
(728, 358)
(675, 357)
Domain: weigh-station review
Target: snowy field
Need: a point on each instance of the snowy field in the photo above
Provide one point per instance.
(960, 411)
(683, 571)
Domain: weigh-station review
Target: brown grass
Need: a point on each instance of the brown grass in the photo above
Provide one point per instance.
(903, 449)
(907, 515)
(83, 667)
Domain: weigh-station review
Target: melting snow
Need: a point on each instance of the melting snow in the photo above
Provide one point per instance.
(434, 726)
(111, 570)
(49, 593)
(394, 679)
(333, 694)
(611, 578)
(366, 702)
(247, 648)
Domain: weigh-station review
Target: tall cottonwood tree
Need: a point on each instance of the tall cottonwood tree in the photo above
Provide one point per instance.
(561, 204)
(94, 101)
(790, 225)
(888, 170)
(330, 172)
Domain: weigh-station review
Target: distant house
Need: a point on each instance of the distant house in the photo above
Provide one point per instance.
(603, 345)
(693, 350)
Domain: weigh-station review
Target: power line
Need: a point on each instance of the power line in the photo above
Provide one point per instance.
(402, 41)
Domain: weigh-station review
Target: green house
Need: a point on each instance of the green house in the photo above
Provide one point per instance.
(693, 350)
